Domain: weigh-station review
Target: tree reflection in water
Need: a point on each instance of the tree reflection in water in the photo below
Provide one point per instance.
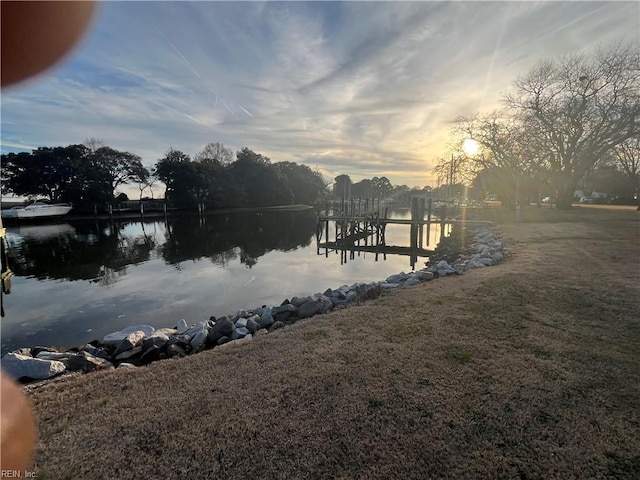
(226, 237)
(84, 251)
(101, 252)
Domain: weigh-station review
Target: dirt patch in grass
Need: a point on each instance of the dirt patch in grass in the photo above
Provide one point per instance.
(530, 369)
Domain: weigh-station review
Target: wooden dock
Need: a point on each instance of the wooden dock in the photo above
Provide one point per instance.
(358, 229)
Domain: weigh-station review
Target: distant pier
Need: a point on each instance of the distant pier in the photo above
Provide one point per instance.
(361, 227)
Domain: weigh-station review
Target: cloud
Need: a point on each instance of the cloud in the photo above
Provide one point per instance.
(375, 85)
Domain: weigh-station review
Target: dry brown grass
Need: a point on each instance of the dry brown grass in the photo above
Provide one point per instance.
(527, 370)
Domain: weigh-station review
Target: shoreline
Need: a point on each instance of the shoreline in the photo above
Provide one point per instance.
(139, 345)
(150, 214)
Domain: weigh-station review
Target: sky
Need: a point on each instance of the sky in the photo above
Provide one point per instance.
(358, 88)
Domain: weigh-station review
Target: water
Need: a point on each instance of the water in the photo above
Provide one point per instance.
(77, 281)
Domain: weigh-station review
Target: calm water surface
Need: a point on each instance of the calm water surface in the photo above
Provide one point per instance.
(76, 282)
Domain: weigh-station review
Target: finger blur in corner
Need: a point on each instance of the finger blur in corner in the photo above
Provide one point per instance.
(36, 35)
(18, 427)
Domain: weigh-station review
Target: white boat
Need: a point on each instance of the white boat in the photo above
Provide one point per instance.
(37, 210)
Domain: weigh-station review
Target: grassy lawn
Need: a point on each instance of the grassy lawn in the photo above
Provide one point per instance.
(526, 370)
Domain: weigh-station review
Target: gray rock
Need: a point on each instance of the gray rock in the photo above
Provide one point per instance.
(425, 275)
(243, 331)
(157, 339)
(412, 281)
(487, 262)
(397, 278)
(298, 301)
(314, 305)
(339, 304)
(93, 363)
(116, 338)
(442, 265)
(36, 350)
(199, 339)
(309, 308)
(368, 291)
(266, 320)
(196, 328)
(73, 362)
(182, 340)
(289, 307)
(283, 312)
(223, 340)
(338, 294)
(182, 326)
(95, 351)
(476, 264)
(252, 325)
(132, 340)
(241, 323)
(151, 354)
(166, 331)
(128, 353)
(277, 325)
(328, 292)
(497, 257)
(223, 328)
(351, 296)
(23, 366)
(52, 356)
(23, 351)
(239, 314)
(389, 285)
(239, 333)
(125, 366)
(175, 351)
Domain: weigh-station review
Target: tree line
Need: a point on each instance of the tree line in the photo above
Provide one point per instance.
(568, 123)
(90, 174)
(81, 174)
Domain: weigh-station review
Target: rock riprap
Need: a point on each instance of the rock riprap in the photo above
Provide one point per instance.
(142, 344)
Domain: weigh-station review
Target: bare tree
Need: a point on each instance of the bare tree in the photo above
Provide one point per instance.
(507, 149)
(93, 144)
(142, 177)
(452, 172)
(579, 108)
(215, 152)
(151, 183)
(627, 154)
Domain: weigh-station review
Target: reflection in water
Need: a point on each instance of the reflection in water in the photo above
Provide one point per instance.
(101, 252)
(225, 237)
(83, 252)
(78, 281)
